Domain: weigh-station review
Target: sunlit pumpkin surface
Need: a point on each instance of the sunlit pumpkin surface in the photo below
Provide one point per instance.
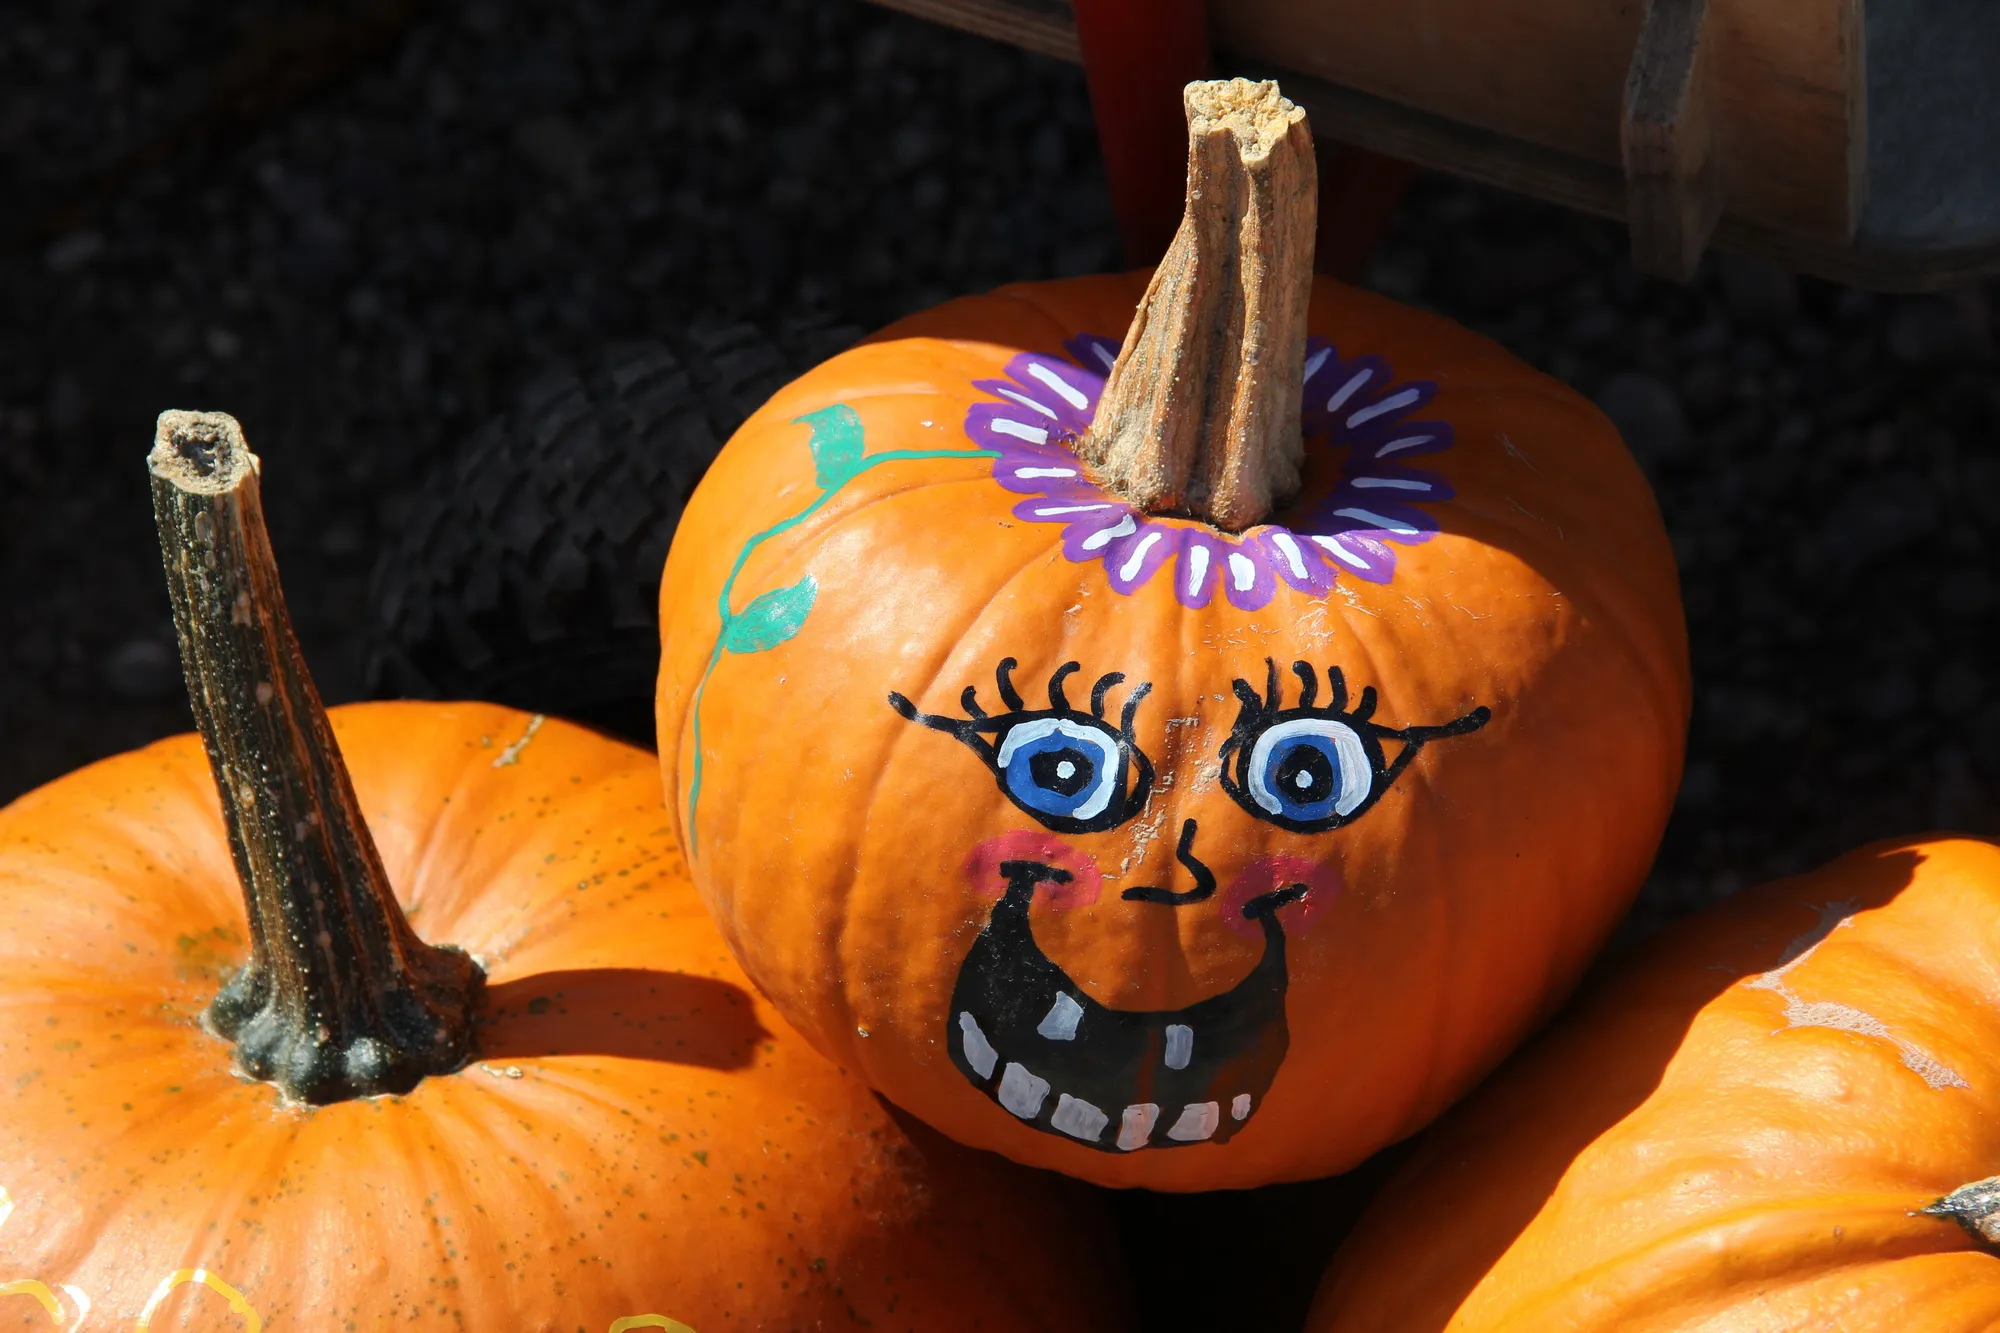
(1734, 1132)
(639, 1141)
(1151, 853)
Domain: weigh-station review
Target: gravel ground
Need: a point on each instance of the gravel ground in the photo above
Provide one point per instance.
(365, 275)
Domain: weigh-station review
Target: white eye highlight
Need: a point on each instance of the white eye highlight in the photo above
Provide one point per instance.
(1308, 769)
(1060, 767)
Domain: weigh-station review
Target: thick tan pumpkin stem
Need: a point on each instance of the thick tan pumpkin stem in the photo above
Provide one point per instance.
(1976, 1207)
(340, 998)
(1201, 413)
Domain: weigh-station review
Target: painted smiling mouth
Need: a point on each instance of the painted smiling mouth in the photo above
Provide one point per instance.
(1119, 1080)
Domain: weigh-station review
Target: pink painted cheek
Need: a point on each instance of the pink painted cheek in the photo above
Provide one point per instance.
(1270, 873)
(982, 868)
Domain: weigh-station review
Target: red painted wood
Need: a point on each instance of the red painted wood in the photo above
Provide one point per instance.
(1137, 56)
(1359, 193)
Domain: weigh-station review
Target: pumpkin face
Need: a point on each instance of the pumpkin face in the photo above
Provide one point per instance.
(1128, 846)
(639, 1143)
(1738, 1130)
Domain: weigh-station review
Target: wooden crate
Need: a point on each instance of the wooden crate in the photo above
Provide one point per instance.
(1854, 139)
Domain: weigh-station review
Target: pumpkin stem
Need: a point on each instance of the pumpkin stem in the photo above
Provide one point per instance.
(340, 998)
(1976, 1207)
(1201, 413)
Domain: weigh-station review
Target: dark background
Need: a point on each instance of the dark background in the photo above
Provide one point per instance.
(362, 238)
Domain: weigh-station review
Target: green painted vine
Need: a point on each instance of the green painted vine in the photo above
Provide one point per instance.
(774, 617)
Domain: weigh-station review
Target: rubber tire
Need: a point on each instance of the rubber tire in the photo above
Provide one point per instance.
(528, 569)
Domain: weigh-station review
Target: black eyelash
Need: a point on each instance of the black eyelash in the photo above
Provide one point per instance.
(1309, 684)
(1097, 691)
(1056, 699)
(1003, 676)
(1262, 711)
(974, 728)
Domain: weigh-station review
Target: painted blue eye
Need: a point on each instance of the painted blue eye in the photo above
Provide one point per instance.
(1314, 767)
(1072, 771)
(1309, 770)
(1064, 768)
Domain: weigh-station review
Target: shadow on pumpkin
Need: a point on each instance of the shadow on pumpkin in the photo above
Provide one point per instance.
(1499, 1157)
(629, 1012)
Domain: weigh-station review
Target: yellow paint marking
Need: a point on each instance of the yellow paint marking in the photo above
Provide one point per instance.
(27, 1286)
(252, 1321)
(632, 1321)
(6, 1205)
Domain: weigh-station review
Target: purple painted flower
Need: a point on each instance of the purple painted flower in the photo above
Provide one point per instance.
(1356, 406)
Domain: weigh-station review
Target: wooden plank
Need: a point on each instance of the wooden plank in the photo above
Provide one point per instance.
(1673, 187)
(1044, 28)
(1598, 188)
(1549, 72)
(1394, 130)
(1792, 119)
(1590, 184)
(1552, 73)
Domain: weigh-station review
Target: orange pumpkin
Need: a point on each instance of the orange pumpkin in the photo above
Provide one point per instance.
(1156, 849)
(1750, 1127)
(634, 1140)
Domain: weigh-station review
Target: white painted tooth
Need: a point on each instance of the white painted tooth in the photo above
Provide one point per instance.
(1198, 1121)
(1240, 1108)
(1079, 1119)
(1180, 1045)
(1135, 1127)
(1021, 1092)
(1059, 1024)
(979, 1052)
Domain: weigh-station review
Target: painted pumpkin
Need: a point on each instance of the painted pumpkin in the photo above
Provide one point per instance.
(1154, 840)
(627, 1139)
(1766, 1122)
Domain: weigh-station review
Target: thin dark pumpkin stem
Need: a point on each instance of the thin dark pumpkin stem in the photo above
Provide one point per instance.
(340, 998)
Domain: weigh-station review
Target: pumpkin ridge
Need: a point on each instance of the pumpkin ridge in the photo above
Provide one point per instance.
(1930, 992)
(226, 1205)
(1686, 1253)
(1537, 536)
(898, 738)
(495, 940)
(29, 864)
(419, 869)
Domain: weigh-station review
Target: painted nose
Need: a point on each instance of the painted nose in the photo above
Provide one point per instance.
(1204, 878)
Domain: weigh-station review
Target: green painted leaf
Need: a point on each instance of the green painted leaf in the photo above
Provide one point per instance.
(771, 618)
(836, 444)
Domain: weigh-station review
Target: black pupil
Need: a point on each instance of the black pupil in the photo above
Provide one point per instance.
(1065, 772)
(1305, 775)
